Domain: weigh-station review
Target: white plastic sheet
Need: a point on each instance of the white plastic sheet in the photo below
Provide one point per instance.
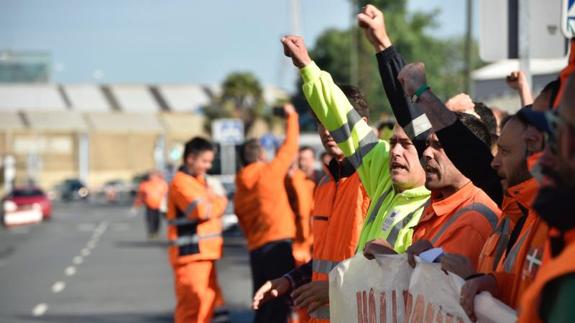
(389, 290)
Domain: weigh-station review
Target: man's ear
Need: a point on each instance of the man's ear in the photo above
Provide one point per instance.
(534, 140)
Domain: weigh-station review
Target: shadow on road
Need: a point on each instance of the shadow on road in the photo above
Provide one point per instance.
(142, 244)
(104, 318)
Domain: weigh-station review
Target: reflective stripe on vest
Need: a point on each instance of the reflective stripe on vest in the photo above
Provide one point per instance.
(417, 126)
(489, 215)
(195, 239)
(365, 146)
(510, 258)
(343, 133)
(192, 206)
(323, 266)
(396, 228)
(321, 313)
(378, 205)
(503, 231)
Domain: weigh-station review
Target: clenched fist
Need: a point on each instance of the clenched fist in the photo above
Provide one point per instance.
(372, 21)
(294, 47)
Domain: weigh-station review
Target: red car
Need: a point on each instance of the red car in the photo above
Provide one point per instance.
(25, 201)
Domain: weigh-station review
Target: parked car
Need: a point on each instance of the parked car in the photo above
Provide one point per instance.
(73, 189)
(26, 204)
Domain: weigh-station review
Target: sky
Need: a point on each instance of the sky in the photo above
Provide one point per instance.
(178, 41)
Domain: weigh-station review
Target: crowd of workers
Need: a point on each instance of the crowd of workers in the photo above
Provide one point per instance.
(493, 191)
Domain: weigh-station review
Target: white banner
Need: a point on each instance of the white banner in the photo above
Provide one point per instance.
(389, 290)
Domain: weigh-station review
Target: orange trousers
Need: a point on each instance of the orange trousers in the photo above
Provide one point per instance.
(197, 292)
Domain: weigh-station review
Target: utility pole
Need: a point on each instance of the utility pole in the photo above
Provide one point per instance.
(354, 57)
(524, 14)
(468, 47)
(295, 21)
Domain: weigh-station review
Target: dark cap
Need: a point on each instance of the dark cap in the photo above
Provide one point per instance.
(538, 119)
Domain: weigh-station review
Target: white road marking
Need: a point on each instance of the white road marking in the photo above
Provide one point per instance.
(58, 287)
(40, 309)
(85, 252)
(70, 271)
(78, 260)
(91, 245)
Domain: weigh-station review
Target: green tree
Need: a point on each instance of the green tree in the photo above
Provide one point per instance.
(241, 97)
(412, 35)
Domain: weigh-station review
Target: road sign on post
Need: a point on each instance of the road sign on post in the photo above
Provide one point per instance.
(568, 18)
(228, 133)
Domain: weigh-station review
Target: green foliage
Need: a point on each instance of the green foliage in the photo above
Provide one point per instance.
(241, 97)
(412, 35)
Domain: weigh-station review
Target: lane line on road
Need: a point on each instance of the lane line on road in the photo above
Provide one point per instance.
(70, 271)
(85, 252)
(58, 287)
(78, 260)
(40, 309)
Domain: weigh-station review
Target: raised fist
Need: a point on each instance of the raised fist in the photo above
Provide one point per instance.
(516, 80)
(412, 77)
(372, 21)
(294, 47)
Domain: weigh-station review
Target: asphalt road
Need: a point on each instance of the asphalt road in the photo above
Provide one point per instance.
(93, 263)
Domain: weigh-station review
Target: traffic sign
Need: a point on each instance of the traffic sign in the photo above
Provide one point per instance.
(568, 18)
(228, 131)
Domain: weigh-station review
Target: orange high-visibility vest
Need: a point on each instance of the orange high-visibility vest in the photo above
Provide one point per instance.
(340, 208)
(459, 223)
(516, 204)
(194, 219)
(551, 269)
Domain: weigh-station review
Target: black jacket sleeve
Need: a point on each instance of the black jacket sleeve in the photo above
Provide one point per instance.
(469, 154)
(300, 275)
(472, 157)
(390, 63)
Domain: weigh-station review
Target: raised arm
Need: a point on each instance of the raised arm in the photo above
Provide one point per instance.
(518, 82)
(409, 116)
(288, 150)
(353, 135)
(467, 152)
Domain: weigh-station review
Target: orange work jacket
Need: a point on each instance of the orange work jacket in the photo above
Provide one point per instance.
(340, 208)
(194, 219)
(300, 190)
(151, 193)
(516, 206)
(459, 223)
(565, 73)
(551, 269)
(261, 203)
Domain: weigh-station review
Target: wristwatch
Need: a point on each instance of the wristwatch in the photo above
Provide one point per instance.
(419, 92)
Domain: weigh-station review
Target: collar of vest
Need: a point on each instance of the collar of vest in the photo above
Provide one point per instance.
(338, 170)
(523, 193)
(415, 192)
(452, 202)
